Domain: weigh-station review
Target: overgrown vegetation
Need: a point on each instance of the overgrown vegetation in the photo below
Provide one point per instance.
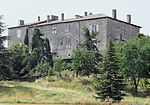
(4, 55)
(135, 59)
(77, 91)
(88, 72)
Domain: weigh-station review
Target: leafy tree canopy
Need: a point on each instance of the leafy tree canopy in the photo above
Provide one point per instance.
(83, 62)
(134, 55)
(18, 53)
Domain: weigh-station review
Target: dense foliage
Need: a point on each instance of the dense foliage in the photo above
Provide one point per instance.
(91, 42)
(135, 59)
(41, 53)
(5, 70)
(129, 60)
(83, 62)
(59, 65)
(18, 53)
(86, 56)
(109, 83)
(26, 39)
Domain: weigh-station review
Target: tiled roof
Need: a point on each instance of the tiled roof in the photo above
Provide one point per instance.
(89, 17)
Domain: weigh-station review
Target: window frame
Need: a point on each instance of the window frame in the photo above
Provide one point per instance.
(68, 43)
(19, 33)
(54, 30)
(94, 28)
(59, 44)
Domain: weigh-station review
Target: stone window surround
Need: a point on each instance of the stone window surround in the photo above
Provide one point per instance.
(54, 30)
(19, 33)
(94, 28)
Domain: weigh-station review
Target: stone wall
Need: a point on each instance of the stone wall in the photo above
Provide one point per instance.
(13, 34)
(74, 31)
(116, 29)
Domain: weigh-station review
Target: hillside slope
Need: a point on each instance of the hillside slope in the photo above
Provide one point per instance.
(68, 90)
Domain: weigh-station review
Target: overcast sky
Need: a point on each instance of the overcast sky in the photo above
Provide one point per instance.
(28, 10)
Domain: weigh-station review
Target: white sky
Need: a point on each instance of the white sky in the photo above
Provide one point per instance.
(28, 10)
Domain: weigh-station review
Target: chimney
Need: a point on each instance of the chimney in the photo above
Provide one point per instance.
(52, 17)
(129, 18)
(114, 13)
(38, 18)
(21, 22)
(56, 17)
(90, 13)
(85, 13)
(62, 16)
(48, 19)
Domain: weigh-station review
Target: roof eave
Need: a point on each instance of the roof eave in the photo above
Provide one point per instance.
(76, 20)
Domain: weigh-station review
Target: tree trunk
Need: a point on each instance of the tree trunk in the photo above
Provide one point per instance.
(136, 83)
(77, 74)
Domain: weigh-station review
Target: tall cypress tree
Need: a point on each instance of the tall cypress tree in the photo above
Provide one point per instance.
(36, 55)
(26, 39)
(48, 54)
(110, 82)
(41, 51)
(37, 40)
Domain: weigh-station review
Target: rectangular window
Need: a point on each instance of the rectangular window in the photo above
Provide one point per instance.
(94, 28)
(54, 30)
(60, 43)
(97, 28)
(68, 43)
(19, 33)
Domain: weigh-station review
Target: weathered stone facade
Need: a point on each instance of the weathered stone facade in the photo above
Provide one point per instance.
(65, 34)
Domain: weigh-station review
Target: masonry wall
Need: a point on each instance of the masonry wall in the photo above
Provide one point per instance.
(12, 33)
(74, 30)
(116, 29)
(75, 33)
(62, 33)
(102, 32)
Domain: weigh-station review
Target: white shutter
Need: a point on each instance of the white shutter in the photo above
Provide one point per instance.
(19, 33)
(97, 28)
(90, 29)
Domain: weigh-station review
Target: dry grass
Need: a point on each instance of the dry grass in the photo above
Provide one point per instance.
(58, 91)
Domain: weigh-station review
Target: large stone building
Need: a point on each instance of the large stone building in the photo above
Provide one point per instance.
(65, 34)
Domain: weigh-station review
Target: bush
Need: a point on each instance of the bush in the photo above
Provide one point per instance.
(66, 78)
(42, 69)
(59, 65)
(51, 80)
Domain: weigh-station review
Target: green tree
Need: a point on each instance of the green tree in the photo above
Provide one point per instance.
(48, 54)
(41, 70)
(134, 55)
(26, 39)
(5, 71)
(41, 52)
(109, 83)
(37, 53)
(83, 62)
(37, 40)
(18, 54)
(59, 65)
(90, 44)
(30, 63)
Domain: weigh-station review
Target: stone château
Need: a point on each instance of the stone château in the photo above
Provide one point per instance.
(65, 34)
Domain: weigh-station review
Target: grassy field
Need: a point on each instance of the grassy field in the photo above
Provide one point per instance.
(57, 91)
